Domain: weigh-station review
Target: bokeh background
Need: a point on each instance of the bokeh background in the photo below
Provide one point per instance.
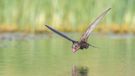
(66, 15)
(28, 48)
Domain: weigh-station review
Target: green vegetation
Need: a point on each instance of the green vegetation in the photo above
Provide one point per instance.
(65, 15)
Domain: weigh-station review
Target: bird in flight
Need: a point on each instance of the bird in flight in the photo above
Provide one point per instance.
(83, 43)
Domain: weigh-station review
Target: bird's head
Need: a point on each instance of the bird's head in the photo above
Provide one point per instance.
(75, 47)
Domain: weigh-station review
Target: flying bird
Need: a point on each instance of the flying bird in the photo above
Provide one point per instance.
(83, 43)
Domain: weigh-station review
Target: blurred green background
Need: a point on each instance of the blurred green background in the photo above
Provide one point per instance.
(66, 15)
(27, 49)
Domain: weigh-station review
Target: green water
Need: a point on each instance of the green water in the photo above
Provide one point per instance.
(52, 56)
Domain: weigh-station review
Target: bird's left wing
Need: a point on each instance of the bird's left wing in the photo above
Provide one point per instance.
(59, 33)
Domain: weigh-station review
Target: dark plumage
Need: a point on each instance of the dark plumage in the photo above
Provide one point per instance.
(84, 38)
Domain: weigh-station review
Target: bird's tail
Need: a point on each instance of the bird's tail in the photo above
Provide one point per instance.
(93, 46)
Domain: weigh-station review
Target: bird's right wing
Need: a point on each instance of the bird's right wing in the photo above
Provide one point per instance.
(92, 26)
(59, 33)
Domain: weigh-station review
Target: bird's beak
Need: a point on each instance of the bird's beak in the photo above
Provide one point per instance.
(74, 50)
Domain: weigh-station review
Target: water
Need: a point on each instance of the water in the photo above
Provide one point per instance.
(52, 56)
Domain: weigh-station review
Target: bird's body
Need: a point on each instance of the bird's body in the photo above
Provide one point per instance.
(83, 43)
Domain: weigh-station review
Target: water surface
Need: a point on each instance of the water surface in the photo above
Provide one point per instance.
(52, 56)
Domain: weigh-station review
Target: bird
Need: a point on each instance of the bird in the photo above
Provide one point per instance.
(83, 43)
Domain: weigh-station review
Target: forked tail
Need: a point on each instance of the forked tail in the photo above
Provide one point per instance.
(93, 46)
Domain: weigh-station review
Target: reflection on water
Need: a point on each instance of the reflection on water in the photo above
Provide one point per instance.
(53, 57)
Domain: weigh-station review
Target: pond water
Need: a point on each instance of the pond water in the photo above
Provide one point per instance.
(52, 56)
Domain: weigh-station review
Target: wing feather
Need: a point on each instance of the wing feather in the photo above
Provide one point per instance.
(92, 26)
(59, 33)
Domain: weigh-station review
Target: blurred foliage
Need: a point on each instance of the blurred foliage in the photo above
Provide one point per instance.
(65, 15)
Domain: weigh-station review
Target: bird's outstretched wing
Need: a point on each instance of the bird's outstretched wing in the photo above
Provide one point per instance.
(59, 33)
(92, 26)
